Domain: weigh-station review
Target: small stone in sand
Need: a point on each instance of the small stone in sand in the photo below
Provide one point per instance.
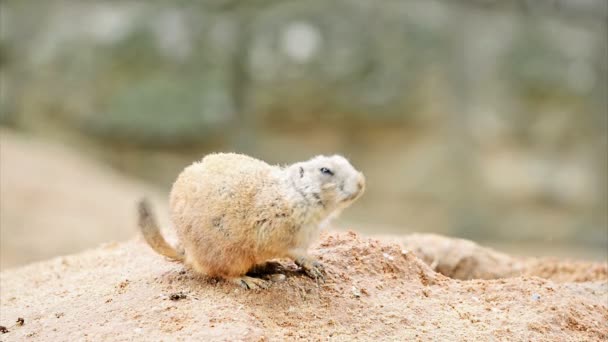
(177, 296)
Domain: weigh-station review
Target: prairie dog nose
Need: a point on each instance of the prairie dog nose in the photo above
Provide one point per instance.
(360, 182)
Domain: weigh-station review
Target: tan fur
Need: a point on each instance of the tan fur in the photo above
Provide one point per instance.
(152, 235)
(233, 212)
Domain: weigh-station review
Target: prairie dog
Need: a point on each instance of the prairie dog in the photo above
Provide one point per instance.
(232, 213)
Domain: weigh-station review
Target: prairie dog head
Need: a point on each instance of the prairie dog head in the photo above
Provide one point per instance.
(329, 182)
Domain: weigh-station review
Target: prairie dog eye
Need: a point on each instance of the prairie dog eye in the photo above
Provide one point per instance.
(326, 171)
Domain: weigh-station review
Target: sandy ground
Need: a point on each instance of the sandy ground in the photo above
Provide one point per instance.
(412, 287)
(375, 290)
(466, 260)
(55, 201)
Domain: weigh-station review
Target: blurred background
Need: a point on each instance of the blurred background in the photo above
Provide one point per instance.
(485, 120)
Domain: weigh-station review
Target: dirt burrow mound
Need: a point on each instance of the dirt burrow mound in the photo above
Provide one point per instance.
(465, 260)
(374, 290)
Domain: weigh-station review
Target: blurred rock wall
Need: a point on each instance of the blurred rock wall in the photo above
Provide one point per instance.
(484, 119)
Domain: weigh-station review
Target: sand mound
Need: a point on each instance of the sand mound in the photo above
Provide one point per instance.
(465, 260)
(374, 290)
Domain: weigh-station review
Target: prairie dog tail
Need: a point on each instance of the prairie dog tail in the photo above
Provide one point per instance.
(152, 235)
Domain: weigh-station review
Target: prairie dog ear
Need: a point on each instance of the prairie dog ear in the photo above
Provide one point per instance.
(301, 171)
(296, 170)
